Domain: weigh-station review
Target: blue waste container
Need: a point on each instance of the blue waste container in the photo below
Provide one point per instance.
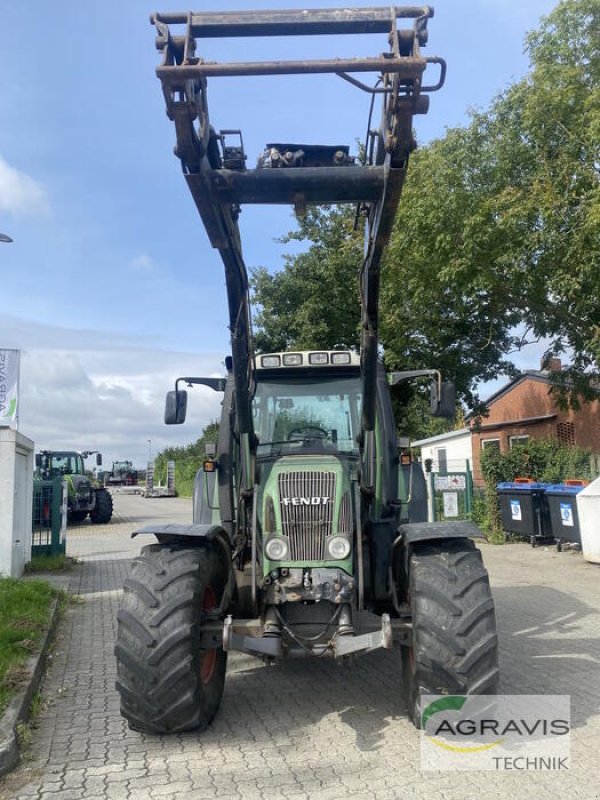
(562, 508)
(523, 509)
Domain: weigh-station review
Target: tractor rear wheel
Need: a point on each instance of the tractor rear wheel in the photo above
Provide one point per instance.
(103, 507)
(167, 682)
(453, 646)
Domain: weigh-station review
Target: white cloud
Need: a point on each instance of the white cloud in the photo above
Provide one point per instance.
(19, 193)
(85, 390)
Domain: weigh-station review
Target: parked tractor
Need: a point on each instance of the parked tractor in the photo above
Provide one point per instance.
(121, 474)
(309, 535)
(84, 496)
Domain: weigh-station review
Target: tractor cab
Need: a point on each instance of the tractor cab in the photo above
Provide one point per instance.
(56, 463)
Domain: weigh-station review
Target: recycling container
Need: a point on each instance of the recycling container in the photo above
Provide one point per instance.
(562, 510)
(588, 510)
(523, 509)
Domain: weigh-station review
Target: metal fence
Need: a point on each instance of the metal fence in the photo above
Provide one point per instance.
(49, 518)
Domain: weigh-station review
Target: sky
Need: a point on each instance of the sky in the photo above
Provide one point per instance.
(110, 288)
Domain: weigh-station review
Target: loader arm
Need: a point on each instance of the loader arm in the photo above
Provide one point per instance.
(220, 181)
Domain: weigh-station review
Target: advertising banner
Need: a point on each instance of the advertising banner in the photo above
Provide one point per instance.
(9, 387)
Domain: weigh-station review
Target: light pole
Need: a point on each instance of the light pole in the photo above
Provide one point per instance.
(149, 451)
(5, 238)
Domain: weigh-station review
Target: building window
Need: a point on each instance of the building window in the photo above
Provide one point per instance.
(517, 440)
(442, 460)
(565, 433)
(492, 443)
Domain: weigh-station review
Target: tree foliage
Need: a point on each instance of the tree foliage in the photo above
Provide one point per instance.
(500, 221)
(313, 301)
(544, 460)
(496, 241)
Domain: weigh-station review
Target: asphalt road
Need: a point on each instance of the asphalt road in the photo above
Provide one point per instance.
(306, 729)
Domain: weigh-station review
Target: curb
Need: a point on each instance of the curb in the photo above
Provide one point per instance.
(17, 710)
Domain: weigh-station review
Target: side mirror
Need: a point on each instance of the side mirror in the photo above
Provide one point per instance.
(443, 399)
(98, 459)
(38, 460)
(176, 407)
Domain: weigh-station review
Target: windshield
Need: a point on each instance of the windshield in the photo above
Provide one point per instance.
(305, 413)
(67, 464)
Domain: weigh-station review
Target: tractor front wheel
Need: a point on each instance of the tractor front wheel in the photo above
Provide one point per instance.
(453, 646)
(103, 507)
(169, 680)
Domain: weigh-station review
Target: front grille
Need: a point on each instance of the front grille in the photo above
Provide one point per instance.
(305, 521)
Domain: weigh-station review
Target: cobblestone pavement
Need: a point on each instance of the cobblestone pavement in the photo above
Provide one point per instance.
(307, 729)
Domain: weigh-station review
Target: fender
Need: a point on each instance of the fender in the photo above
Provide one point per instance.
(415, 532)
(197, 530)
(196, 533)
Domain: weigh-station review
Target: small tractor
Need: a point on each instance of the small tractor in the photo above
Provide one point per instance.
(309, 535)
(83, 496)
(121, 474)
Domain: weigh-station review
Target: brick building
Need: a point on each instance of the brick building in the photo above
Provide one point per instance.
(526, 408)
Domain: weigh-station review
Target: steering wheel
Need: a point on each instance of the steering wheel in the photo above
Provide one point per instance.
(308, 432)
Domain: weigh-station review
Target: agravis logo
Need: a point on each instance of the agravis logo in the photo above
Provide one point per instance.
(461, 728)
(526, 732)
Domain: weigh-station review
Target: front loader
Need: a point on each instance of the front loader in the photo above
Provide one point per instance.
(309, 535)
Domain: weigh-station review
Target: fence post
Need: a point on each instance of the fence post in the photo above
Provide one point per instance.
(430, 498)
(468, 489)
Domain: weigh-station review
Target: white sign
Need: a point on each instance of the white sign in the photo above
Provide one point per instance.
(566, 515)
(9, 386)
(450, 504)
(442, 482)
(515, 509)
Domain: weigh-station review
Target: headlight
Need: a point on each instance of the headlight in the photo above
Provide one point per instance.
(339, 547)
(276, 548)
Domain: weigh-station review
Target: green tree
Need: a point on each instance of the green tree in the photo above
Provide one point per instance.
(313, 301)
(500, 221)
(496, 241)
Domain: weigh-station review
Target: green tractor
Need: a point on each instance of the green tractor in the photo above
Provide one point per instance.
(83, 495)
(309, 536)
(122, 473)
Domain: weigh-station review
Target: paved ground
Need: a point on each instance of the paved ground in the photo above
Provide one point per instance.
(306, 729)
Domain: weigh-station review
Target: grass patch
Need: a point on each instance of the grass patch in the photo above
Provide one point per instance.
(45, 563)
(24, 618)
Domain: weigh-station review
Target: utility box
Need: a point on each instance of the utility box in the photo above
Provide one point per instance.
(523, 509)
(562, 507)
(588, 509)
(16, 499)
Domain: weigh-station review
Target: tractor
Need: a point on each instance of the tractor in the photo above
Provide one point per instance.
(309, 535)
(121, 474)
(83, 496)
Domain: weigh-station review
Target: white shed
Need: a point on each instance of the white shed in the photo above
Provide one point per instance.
(449, 452)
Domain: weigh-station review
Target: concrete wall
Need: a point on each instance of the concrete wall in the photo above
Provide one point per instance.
(16, 501)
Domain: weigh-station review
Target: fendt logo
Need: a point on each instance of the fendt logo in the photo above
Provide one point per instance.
(305, 501)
